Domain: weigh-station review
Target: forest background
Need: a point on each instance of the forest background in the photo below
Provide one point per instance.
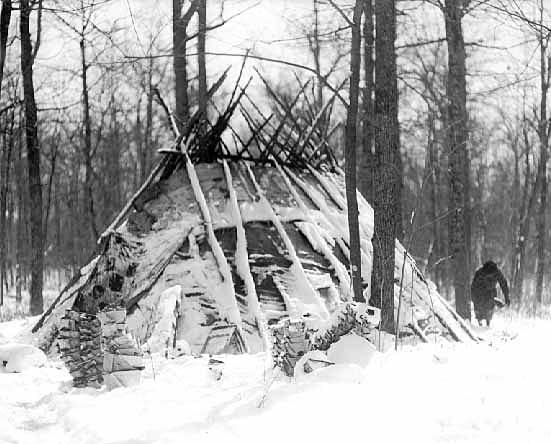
(98, 63)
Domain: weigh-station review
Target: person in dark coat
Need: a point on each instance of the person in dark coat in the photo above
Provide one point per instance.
(484, 292)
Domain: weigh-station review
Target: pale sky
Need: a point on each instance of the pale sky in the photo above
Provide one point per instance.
(262, 27)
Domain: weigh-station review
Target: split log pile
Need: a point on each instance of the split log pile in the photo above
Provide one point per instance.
(123, 360)
(79, 343)
(97, 349)
(292, 339)
(345, 321)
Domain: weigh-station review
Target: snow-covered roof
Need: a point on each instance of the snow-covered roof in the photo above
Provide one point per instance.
(247, 241)
(247, 244)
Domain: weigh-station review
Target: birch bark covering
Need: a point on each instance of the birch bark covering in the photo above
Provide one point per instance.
(291, 250)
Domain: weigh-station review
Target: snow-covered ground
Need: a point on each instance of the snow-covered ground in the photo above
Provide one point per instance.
(497, 392)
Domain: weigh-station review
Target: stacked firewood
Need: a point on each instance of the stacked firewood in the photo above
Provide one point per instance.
(293, 339)
(123, 360)
(290, 341)
(79, 343)
(344, 322)
(98, 349)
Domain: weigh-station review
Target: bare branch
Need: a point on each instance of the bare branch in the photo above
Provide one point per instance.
(342, 13)
(132, 59)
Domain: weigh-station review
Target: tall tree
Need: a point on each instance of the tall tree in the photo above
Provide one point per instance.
(201, 56)
(365, 171)
(543, 135)
(20, 254)
(5, 177)
(202, 98)
(388, 163)
(458, 157)
(5, 155)
(350, 153)
(145, 150)
(180, 22)
(5, 18)
(523, 201)
(33, 161)
(314, 43)
(87, 139)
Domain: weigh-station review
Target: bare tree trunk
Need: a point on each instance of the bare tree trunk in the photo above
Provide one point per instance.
(88, 168)
(541, 237)
(57, 222)
(515, 207)
(33, 161)
(113, 163)
(180, 23)
(201, 56)
(139, 140)
(433, 182)
(315, 48)
(51, 176)
(4, 181)
(480, 250)
(388, 163)
(5, 163)
(526, 208)
(541, 223)
(202, 68)
(366, 170)
(458, 158)
(5, 18)
(148, 146)
(314, 43)
(350, 155)
(20, 227)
